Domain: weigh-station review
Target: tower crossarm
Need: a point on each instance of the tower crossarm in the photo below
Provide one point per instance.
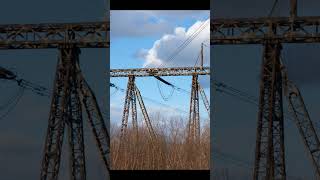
(257, 30)
(53, 35)
(177, 71)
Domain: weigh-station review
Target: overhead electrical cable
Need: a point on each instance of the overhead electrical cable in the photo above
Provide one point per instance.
(151, 100)
(187, 41)
(13, 104)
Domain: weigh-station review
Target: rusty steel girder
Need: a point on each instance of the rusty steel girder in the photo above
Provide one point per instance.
(270, 153)
(256, 30)
(177, 71)
(71, 96)
(53, 35)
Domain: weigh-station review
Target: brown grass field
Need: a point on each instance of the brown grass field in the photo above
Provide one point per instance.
(169, 151)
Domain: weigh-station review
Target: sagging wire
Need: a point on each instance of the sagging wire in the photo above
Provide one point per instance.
(13, 104)
(23, 84)
(37, 89)
(165, 98)
(150, 100)
(273, 8)
(222, 85)
(115, 92)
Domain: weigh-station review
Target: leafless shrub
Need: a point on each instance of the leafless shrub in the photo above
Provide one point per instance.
(168, 151)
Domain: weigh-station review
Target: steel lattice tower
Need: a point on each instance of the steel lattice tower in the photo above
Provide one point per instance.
(270, 159)
(72, 93)
(194, 117)
(132, 95)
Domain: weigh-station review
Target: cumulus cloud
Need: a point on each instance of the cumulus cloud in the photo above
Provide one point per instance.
(163, 48)
(145, 23)
(161, 51)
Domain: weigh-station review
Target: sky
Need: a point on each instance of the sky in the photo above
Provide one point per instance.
(22, 132)
(149, 38)
(233, 129)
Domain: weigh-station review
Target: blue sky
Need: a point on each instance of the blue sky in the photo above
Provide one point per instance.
(133, 34)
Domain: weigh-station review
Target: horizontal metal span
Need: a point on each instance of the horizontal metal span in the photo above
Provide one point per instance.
(178, 71)
(53, 35)
(257, 30)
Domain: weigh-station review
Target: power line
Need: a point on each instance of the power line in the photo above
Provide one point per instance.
(165, 98)
(151, 100)
(13, 105)
(10, 101)
(249, 99)
(273, 8)
(187, 41)
(39, 90)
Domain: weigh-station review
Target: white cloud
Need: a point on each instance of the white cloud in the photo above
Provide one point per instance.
(164, 47)
(145, 23)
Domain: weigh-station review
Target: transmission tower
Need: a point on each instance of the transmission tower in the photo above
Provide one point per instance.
(271, 32)
(270, 161)
(194, 117)
(133, 94)
(71, 92)
(70, 95)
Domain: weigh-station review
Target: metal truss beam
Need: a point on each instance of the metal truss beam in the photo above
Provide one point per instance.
(73, 116)
(305, 125)
(269, 155)
(145, 114)
(54, 139)
(54, 35)
(256, 30)
(71, 92)
(178, 71)
(193, 134)
(132, 95)
(204, 99)
(194, 117)
(96, 121)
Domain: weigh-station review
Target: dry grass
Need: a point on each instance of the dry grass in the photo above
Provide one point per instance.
(168, 151)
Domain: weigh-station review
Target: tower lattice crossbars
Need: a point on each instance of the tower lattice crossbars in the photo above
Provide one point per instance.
(71, 93)
(271, 32)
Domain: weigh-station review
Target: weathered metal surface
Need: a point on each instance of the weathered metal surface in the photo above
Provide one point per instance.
(178, 71)
(72, 93)
(54, 35)
(269, 154)
(257, 30)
